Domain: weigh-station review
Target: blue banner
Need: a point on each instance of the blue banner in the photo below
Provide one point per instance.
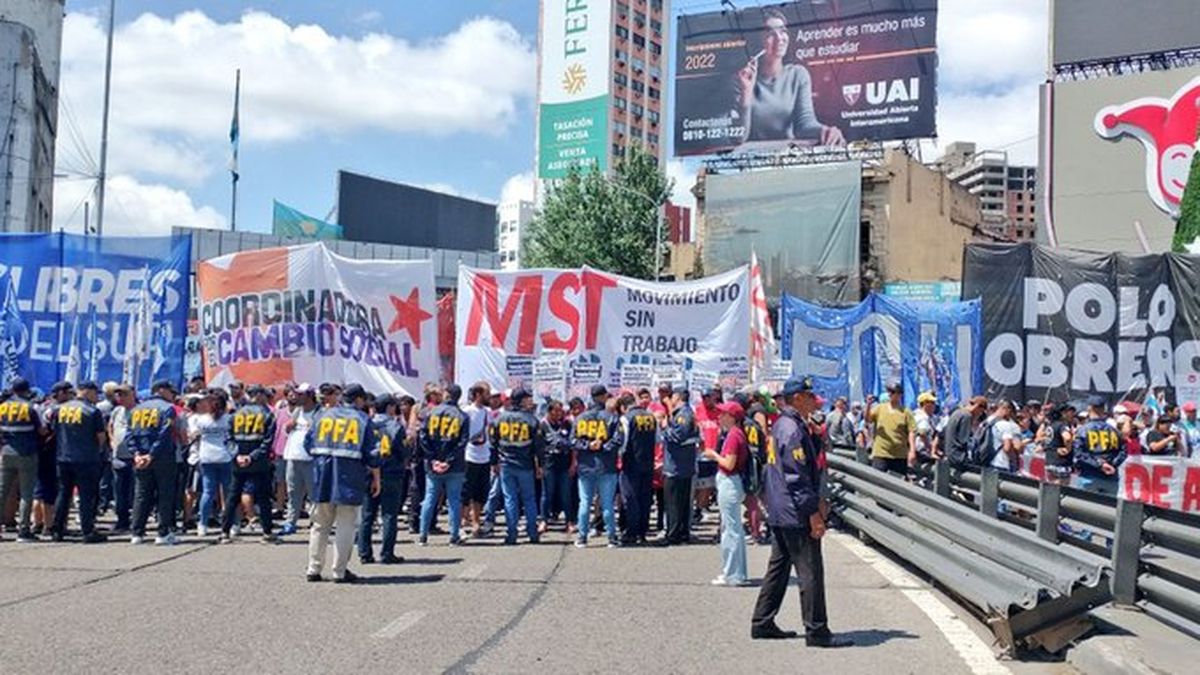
(77, 307)
(856, 351)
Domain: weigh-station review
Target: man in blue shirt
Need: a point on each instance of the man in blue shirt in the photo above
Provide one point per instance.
(79, 434)
(154, 436)
(21, 432)
(1099, 451)
(516, 440)
(792, 491)
(392, 456)
(596, 439)
(443, 440)
(340, 442)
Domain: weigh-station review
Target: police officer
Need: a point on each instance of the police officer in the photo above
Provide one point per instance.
(443, 441)
(1099, 451)
(795, 516)
(392, 456)
(45, 491)
(681, 439)
(558, 467)
(340, 443)
(79, 436)
(251, 433)
(596, 439)
(154, 436)
(637, 470)
(516, 440)
(21, 430)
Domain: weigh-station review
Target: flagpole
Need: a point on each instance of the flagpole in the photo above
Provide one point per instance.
(102, 178)
(234, 134)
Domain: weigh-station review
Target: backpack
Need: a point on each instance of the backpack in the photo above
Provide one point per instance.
(983, 446)
(753, 468)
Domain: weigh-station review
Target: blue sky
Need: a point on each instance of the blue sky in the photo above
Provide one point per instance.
(438, 93)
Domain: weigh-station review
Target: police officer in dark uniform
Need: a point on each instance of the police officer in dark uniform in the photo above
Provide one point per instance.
(1099, 451)
(251, 434)
(392, 457)
(794, 513)
(45, 492)
(556, 471)
(597, 438)
(154, 437)
(637, 470)
(79, 435)
(681, 438)
(443, 441)
(340, 442)
(515, 438)
(21, 431)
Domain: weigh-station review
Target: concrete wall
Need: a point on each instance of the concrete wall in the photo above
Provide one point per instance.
(45, 19)
(28, 121)
(915, 222)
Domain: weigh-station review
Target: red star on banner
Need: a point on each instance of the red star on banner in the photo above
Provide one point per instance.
(409, 316)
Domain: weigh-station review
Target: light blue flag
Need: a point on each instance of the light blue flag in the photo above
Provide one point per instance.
(289, 222)
(13, 336)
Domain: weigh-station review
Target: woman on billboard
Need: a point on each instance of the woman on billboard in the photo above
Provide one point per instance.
(775, 101)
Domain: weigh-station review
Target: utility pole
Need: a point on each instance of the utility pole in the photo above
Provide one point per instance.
(102, 178)
(234, 136)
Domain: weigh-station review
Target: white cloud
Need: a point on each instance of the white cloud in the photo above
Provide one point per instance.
(132, 208)
(175, 75)
(518, 187)
(684, 175)
(1006, 122)
(369, 17)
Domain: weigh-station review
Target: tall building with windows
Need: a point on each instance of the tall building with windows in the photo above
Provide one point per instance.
(1006, 191)
(602, 68)
(512, 217)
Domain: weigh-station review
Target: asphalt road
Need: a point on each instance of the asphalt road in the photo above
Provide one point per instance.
(483, 607)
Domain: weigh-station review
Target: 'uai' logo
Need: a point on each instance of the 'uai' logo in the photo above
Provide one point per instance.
(1167, 131)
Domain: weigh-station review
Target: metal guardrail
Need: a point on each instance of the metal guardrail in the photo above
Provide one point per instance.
(1027, 555)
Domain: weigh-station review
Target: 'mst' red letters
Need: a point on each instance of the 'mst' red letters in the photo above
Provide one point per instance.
(526, 298)
(571, 298)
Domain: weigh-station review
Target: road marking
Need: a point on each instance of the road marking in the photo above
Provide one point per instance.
(399, 625)
(472, 572)
(976, 653)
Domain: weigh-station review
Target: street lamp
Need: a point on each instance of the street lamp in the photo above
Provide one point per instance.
(659, 207)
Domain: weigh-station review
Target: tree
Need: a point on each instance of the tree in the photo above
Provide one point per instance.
(1187, 229)
(608, 223)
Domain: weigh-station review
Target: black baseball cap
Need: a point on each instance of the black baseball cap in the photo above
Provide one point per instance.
(163, 384)
(1097, 401)
(383, 401)
(520, 393)
(598, 390)
(87, 384)
(354, 391)
(796, 385)
(681, 390)
(258, 390)
(20, 385)
(60, 386)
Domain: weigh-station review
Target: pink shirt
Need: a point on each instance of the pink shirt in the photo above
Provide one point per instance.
(735, 446)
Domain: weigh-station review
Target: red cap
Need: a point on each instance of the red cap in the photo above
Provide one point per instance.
(732, 408)
(1190, 406)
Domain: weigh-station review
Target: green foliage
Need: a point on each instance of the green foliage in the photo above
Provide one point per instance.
(1187, 229)
(591, 219)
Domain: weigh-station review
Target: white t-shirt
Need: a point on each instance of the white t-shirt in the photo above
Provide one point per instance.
(213, 446)
(293, 449)
(477, 453)
(1003, 430)
(120, 430)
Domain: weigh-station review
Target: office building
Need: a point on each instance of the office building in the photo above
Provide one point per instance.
(30, 49)
(512, 220)
(602, 70)
(1006, 191)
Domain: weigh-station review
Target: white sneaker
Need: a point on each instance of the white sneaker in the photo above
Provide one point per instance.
(719, 581)
(236, 530)
(136, 540)
(201, 530)
(169, 540)
(580, 543)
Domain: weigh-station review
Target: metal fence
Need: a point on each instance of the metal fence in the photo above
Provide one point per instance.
(1030, 557)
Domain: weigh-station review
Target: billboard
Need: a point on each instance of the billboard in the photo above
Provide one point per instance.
(305, 314)
(1061, 325)
(1120, 151)
(803, 222)
(1103, 30)
(573, 84)
(383, 212)
(805, 73)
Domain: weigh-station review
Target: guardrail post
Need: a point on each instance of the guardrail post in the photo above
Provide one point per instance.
(941, 478)
(989, 491)
(1127, 551)
(862, 454)
(1049, 501)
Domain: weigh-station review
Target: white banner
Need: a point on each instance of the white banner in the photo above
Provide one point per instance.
(306, 314)
(1165, 482)
(602, 321)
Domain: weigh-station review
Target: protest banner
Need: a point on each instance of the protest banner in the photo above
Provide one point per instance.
(550, 375)
(855, 351)
(635, 376)
(1165, 482)
(106, 309)
(601, 321)
(305, 314)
